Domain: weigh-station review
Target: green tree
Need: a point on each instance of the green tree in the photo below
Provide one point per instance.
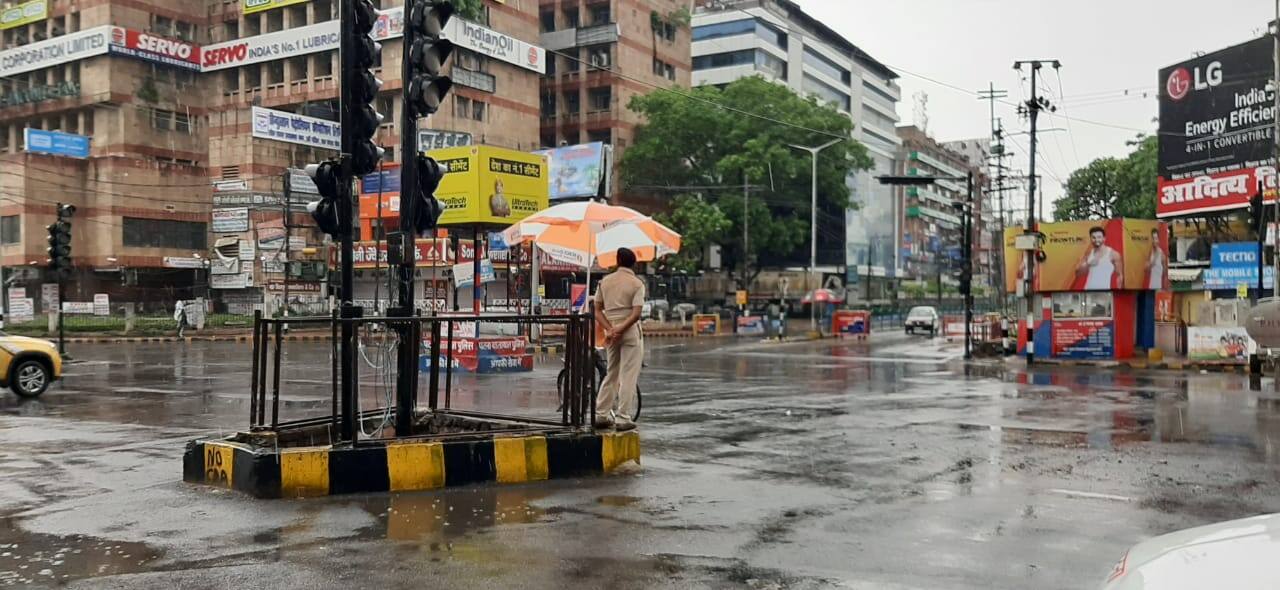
(471, 10)
(700, 224)
(694, 148)
(1113, 187)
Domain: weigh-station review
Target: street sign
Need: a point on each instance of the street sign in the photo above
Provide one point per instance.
(742, 297)
(1242, 291)
(56, 143)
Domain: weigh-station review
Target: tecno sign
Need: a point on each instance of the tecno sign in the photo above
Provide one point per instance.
(1182, 81)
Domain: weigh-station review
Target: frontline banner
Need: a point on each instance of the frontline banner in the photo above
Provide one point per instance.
(1128, 254)
(1216, 119)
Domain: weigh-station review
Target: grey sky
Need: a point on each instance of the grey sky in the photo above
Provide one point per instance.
(1104, 46)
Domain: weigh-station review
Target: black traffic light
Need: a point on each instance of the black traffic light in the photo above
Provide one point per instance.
(325, 210)
(428, 51)
(427, 209)
(359, 89)
(1256, 213)
(60, 241)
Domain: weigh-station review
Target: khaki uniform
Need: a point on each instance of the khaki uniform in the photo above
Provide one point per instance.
(617, 294)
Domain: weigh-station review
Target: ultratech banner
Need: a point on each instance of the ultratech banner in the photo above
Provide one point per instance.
(58, 50)
(270, 47)
(1216, 126)
(155, 49)
(24, 14)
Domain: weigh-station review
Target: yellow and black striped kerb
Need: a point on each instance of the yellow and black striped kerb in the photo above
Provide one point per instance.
(403, 465)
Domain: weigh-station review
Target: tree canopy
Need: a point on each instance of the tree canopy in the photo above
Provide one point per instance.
(1113, 187)
(700, 154)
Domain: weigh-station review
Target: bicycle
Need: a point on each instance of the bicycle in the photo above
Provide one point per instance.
(602, 367)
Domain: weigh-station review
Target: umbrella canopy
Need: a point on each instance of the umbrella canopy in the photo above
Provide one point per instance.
(585, 232)
(823, 296)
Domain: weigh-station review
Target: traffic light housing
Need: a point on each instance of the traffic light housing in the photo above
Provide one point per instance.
(325, 210)
(427, 51)
(360, 88)
(60, 241)
(1256, 213)
(428, 209)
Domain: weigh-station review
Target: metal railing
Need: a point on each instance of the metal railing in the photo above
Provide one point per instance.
(431, 336)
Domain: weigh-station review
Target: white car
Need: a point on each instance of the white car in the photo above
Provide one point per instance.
(923, 317)
(1236, 554)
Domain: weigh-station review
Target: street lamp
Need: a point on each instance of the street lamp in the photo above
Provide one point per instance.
(813, 230)
(966, 241)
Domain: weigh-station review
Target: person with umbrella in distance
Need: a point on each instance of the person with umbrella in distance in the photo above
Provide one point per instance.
(618, 303)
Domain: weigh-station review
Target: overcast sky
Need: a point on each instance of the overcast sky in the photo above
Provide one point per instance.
(1105, 47)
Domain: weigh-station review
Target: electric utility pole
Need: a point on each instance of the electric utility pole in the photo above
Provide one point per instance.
(1032, 108)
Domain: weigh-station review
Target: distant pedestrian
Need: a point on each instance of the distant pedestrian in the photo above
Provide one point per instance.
(619, 301)
(180, 316)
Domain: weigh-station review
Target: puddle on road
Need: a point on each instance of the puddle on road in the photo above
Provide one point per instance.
(28, 558)
(451, 514)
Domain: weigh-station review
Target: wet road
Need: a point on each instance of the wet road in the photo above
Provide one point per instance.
(888, 464)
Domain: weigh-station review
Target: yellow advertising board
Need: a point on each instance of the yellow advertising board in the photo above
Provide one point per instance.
(1113, 254)
(252, 6)
(486, 184)
(24, 14)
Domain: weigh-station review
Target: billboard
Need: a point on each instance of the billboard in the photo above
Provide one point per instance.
(24, 14)
(152, 48)
(485, 184)
(252, 6)
(56, 143)
(1128, 254)
(575, 170)
(299, 129)
(1216, 120)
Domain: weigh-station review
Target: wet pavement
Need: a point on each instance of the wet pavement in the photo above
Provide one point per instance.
(881, 464)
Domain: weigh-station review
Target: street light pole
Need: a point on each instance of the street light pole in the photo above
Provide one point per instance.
(813, 231)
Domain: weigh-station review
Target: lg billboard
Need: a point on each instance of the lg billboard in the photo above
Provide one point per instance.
(1216, 130)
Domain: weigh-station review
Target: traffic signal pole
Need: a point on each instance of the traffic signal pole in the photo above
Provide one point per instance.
(410, 344)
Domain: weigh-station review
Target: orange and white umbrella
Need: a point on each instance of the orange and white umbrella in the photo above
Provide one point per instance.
(584, 233)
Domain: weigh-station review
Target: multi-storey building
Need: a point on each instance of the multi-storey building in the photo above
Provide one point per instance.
(195, 111)
(601, 54)
(930, 240)
(777, 40)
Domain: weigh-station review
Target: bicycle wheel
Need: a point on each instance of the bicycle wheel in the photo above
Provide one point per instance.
(600, 371)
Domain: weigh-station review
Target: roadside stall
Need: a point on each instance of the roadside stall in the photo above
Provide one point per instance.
(1095, 287)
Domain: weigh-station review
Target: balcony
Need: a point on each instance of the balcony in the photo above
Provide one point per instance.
(946, 219)
(580, 37)
(472, 79)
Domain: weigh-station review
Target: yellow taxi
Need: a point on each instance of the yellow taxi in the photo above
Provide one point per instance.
(28, 365)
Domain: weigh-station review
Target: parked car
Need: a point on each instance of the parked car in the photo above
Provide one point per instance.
(28, 365)
(1234, 554)
(923, 317)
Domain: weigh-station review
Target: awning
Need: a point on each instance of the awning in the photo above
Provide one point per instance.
(1184, 275)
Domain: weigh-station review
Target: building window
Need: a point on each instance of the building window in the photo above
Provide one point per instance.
(275, 21)
(825, 92)
(600, 14)
(548, 104)
(668, 32)
(184, 30)
(571, 18)
(162, 25)
(162, 120)
(385, 107)
(10, 229)
(572, 104)
(478, 110)
(323, 10)
(599, 56)
(470, 60)
(600, 135)
(769, 63)
(252, 76)
(723, 60)
(324, 65)
(878, 92)
(729, 29)
(275, 73)
(182, 122)
(600, 99)
(548, 19)
(253, 24)
(664, 69)
(825, 65)
(164, 233)
(461, 107)
(297, 16)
